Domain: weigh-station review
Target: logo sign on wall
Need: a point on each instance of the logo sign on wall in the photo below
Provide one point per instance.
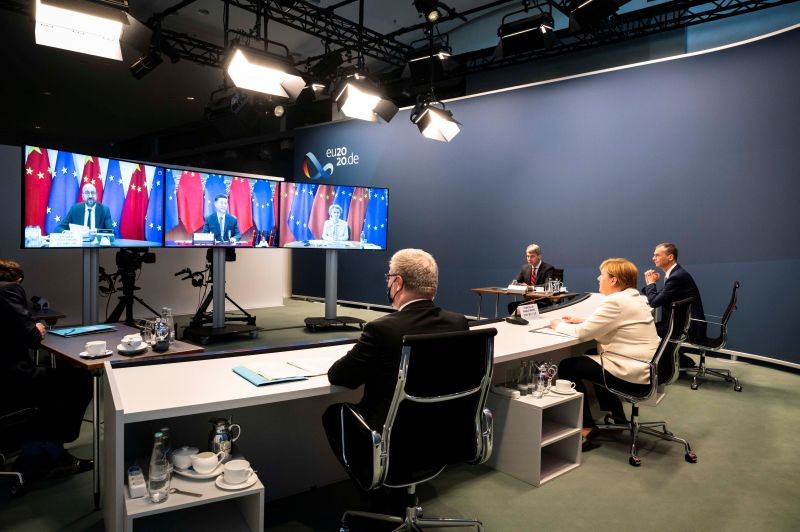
(339, 156)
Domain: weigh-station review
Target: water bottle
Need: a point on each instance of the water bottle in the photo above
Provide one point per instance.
(167, 443)
(363, 238)
(158, 477)
(166, 315)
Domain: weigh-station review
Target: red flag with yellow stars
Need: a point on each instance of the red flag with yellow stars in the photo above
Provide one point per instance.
(91, 176)
(240, 203)
(319, 210)
(135, 209)
(38, 178)
(358, 209)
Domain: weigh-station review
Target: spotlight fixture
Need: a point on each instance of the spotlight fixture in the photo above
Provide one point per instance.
(591, 13)
(418, 62)
(358, 98)
(86, 27)
(436, 123)
(151, 58)
(428, 9)
(263, 72)
(527, 34)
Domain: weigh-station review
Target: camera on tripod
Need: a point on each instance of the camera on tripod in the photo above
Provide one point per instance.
(132, 259)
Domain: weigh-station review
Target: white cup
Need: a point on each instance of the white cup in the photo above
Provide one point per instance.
(182, 457)
(207, 461)
(563, 385)
(132, 341)
(98, 347)
(237, 471)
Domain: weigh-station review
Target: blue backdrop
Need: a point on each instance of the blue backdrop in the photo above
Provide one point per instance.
(702, 151)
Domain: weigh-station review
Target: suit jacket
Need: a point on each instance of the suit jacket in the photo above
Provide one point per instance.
(375, 359)
(679, 285)
(76, 214)
(224, 234)
(18, 331)
(340, 231)
(622, 325)
(545, 272)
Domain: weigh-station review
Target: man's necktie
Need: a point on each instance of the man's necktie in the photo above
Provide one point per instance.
(89, 221)
(533, 276)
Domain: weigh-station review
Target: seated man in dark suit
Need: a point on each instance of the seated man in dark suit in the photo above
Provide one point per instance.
(88, 213)
(224, 226)
(534, 272)
(61, 394)
(374, 361)
(678, 284)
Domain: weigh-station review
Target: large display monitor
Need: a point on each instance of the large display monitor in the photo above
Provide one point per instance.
(333, 216)
(71, 200)
(216, 210)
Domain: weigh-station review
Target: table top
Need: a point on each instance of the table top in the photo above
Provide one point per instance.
(71, 347)
(501, 290)
(49, 315)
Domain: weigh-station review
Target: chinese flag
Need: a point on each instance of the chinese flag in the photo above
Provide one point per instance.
(240, 203)
(91, 176)
(135, 209)
(287, 193)
(319, 210)
(37, 187)
(190, 201)
(358, 209)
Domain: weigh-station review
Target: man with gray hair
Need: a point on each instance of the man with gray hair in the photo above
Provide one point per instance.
(533, 272)
(374, 361)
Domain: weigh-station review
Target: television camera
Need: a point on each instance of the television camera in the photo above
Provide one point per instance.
(129, 261)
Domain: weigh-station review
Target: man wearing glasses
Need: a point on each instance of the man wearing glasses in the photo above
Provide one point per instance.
(375, 359)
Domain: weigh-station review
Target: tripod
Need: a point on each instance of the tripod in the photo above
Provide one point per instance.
(127, 298)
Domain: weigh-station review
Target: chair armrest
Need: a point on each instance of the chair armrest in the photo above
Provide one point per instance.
(362, 449)
(625, 395)
(709, 321)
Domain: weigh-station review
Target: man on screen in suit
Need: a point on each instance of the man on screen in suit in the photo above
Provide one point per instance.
(374, 361)
(88, 213)
(224, 226)
(678, 284)
(534, 272)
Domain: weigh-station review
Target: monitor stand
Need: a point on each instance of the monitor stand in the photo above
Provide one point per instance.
(331, 320)
(220, 329)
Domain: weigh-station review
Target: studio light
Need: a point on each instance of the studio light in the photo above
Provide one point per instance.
(527, 34)
(590, 13)
(263, 72)
(435, 123)
(151, 58)
(92, 28)
(419, 65)
(428, 9)
(358, 98)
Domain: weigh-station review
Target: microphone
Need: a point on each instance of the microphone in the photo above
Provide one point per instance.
(183, 271)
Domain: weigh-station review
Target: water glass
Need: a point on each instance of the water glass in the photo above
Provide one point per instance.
(148, 328)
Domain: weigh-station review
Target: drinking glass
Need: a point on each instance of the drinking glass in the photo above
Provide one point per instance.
(148, 328)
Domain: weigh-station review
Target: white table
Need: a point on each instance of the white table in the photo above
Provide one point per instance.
(291, 411)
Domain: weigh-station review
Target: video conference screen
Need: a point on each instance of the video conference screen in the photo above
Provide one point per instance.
(333, 216)
(216, 210)
(71, 200)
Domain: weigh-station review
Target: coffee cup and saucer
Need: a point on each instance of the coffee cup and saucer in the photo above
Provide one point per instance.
(132, 344)
(237, 475)
(95, 349)
(564, 387)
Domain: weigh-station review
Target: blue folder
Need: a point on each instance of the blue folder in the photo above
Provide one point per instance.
(66, 332)
(260, 380)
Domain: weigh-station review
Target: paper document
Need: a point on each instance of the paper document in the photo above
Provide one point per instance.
(260, 375)
(550, 332)
(310, 368)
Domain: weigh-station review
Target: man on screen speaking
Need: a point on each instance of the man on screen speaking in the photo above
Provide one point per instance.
(224, 226)
(87, 213)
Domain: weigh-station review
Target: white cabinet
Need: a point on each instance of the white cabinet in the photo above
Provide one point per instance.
(536, 440)
(217, 509)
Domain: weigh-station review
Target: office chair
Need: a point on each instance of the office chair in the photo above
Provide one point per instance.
(664, 369)
(431, 423)
(12, 423)
(713, 344)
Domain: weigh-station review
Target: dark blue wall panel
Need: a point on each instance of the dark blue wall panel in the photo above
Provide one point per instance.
(703, 151)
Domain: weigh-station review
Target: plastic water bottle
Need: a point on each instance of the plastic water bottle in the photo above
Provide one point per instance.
(158, 477)
(166, 315)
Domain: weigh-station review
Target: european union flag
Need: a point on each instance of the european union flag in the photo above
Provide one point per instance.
(301, 211)
(153, 221)
(262, 205)
(114, 193)
(171, 202)
(343, 197)
(215, 184)
(377, 219)
(63, 191)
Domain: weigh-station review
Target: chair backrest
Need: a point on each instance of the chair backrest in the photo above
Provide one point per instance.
(666, 358)
(731, 304)
(437, 416)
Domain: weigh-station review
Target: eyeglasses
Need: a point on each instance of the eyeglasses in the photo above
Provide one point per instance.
(388, 276)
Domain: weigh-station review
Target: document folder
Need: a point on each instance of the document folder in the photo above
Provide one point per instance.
(67, 332)
(260, 379)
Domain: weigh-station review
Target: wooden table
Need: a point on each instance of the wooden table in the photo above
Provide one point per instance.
(69, 349)
(499, 290)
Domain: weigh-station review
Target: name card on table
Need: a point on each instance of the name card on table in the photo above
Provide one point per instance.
(529, 312)
(67, 239)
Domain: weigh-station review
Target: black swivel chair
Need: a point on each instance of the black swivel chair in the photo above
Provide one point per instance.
(13, 423)
(713, 344)
(664, 369)
(431, 423)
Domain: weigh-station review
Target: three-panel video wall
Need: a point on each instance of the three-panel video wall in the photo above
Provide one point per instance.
(71, 200)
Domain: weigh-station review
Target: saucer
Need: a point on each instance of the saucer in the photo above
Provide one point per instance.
(573, 391)
(191, 473)
(220, 482)
(127, 351)
(84, 354)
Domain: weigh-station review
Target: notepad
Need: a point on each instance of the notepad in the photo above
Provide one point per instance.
(260, 378)
(67, 332)
(310, 369)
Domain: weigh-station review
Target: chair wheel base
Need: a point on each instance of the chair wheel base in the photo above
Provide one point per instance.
(17, 490)
(737, 388)
(635, 461)
(691, 457)
(695, 386)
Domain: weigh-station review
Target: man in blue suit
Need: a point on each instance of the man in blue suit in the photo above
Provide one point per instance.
(88, 213)
(678, 284)
(224, 226)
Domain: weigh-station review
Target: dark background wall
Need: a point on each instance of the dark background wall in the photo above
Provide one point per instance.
(703, 151)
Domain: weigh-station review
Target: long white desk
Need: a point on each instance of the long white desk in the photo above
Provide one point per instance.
(284, 435)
